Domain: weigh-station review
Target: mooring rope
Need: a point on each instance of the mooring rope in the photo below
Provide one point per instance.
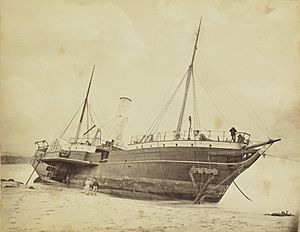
(284, 158)
(248, 198)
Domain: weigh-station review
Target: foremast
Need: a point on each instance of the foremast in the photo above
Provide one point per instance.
(85, 104)
(187, 84)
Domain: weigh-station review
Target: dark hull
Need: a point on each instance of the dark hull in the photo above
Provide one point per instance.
(167, 172)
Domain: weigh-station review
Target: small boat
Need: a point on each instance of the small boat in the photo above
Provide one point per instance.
(195, 164)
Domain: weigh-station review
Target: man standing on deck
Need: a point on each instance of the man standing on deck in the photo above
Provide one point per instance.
(233, 133)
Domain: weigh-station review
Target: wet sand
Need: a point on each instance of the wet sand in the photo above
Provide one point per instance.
(52, 208)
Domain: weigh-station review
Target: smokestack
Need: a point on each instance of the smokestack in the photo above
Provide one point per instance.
(121, 119)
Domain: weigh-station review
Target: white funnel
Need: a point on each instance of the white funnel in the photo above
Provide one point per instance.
(121, 120)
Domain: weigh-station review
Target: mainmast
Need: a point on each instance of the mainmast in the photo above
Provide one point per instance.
(187, 84)
(84, 107)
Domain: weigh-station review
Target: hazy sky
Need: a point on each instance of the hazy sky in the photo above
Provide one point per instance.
(248, 58)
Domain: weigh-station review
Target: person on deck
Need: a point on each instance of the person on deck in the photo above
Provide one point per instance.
(233, 133)
(241, 139)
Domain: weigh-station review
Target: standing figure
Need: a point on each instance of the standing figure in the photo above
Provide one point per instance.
(233, 133)
(241, 139)
(95, 186)
(87, 187)
(68, 180)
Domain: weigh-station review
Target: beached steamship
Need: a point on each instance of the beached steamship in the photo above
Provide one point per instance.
(194, 164)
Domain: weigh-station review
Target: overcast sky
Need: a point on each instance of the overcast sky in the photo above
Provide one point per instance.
(248, 60)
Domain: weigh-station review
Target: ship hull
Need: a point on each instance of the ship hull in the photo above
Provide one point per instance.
(165, 172)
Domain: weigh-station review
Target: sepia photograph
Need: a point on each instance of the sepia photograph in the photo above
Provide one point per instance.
(153, 115)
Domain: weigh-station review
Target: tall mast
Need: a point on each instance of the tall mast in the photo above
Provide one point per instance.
(84, 107)
(187, 84)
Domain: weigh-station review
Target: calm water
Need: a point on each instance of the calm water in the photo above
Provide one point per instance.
(52, 208)
(19, 172)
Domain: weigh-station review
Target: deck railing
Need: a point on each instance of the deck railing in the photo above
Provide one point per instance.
(202, 135)
(57, 144)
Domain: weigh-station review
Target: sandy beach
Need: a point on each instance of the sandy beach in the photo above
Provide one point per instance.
(56, 208)
(49, 208)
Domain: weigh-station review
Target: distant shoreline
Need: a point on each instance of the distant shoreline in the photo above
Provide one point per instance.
(12, 159)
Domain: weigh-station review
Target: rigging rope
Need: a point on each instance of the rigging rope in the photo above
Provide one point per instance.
(98, 106)
(168, 103)
(101, 126)
(69, 123)
(258, 123)
(160, 116)
(212, 100)
(87, 120)
(258, 119)
(196, 112)
(89, 112)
